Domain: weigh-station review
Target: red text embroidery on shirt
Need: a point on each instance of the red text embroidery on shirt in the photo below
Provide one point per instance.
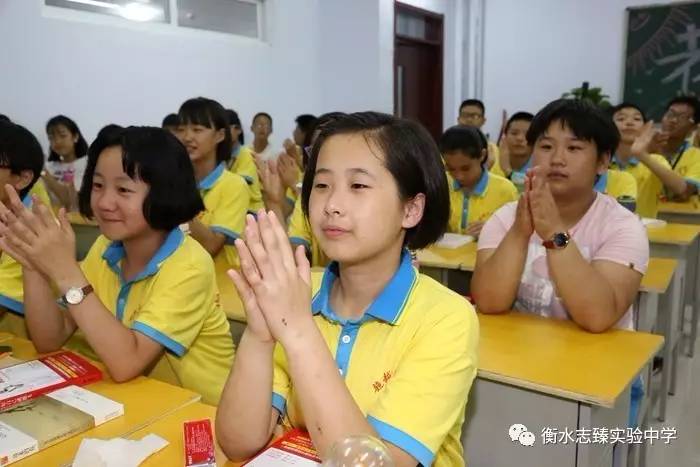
(379, 385)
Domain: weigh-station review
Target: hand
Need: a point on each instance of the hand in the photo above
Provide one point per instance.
(659, 143)
(474, 229)
(272, 187)
(288, 171)
(279, 279)
(642, 143)
(504, 155)
(35, 238)
(545, 214)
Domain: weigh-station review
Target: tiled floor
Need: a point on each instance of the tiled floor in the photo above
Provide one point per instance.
(683, 413)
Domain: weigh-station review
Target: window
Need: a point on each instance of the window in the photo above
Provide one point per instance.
(241, 17)
(154, 11)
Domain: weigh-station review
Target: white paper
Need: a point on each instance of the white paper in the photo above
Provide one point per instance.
(101, 408)
(649, 222)
(117, 452)
(451, 240)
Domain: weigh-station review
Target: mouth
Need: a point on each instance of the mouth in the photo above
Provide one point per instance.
(557, 176)
(333, 232)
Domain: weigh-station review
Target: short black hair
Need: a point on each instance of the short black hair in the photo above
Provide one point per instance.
(262, 114)
(170, 120)
(305, 122)
(81, 145)
(4, 118)
(156, 157)
(473, 102)
(20, 151)
(410, 155)
(627, 105)
(586, 121)
(468, 140)
(690, 101)
(211, 114)
(518, 117)
(234, 120)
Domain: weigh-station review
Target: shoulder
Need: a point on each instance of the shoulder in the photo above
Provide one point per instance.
(502, 184)
(611, 216)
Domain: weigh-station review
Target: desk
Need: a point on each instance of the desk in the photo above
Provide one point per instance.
(681, 242)
(681, 213)
(145, 401)
(549, 373)
(447, 259)
(170, 428)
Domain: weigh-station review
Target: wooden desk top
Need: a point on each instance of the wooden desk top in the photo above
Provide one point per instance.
(659, 275)
(145, 400)
(558, 358)
(170, 428)
(691, 207)
(448, 258)
(673, 234)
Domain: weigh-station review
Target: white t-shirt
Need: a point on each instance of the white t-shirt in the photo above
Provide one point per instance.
(270, 152)
(67, 172)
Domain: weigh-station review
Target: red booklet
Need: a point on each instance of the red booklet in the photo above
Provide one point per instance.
(294, 448)
(29, 380)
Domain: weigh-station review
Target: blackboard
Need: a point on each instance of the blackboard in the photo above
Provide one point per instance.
(663, 55)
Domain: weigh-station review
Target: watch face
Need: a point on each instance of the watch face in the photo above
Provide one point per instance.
(560, 240)
(74, 296)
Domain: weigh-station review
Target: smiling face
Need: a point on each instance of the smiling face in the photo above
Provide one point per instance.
(116, 199)
(570, 164)
(629, 122)
(355, 209)
(201, 141)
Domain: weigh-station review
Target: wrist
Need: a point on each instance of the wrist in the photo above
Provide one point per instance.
(252, 340)
(301, 338)
(70, 276)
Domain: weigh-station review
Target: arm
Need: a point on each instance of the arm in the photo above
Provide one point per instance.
(498, 271)
(212, 241)
(668, 177)
(609, 292)
(245, 418)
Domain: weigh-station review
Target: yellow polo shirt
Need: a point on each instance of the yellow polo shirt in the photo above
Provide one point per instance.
(299, 233)
(175, 302)
(687, 164)
(243, 164)
(649, 186)
(226, 202)
(617, 184)
(409, 363)
(490, 193)
(11, 286)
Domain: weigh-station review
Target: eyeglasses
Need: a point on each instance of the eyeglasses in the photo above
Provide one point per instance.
(679, 117)
(471, 116)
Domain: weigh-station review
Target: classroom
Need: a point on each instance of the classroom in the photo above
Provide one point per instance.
(350, 233)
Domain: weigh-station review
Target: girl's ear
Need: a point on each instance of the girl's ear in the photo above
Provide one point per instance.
(220, 135)
(484, 156)
(413, 211)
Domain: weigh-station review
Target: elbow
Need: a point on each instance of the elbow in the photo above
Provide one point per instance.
(489, 301)
(44, 346)
(594, 324)
(122, 375)
(235, 449)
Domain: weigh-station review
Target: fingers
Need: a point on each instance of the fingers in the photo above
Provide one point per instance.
(273, 253)
(303, 266)
(245, 291)
(258, 252)
(285, 249)
(248, 268)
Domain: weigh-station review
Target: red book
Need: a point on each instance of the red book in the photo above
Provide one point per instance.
(199, 444)
(29, 380)
(294, 448)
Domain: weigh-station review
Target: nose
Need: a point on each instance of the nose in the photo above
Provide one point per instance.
(334, 203)
(105, 200)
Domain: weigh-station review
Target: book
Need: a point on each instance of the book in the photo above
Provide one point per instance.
(451, 240)
(29, 380)
(38, 423)
(294, 448)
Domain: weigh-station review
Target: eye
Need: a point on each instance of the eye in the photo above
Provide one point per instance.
(573, 148)
(319, 185)
(546, 146)
(124, 190)
(96, 185)
(358, 186)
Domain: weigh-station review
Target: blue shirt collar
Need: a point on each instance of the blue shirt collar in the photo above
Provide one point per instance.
(27, 200)
(115, 253)
(633, 161)
(210, 180)
(480, 187)
(386, 307)
(235, 151)
(601, 185)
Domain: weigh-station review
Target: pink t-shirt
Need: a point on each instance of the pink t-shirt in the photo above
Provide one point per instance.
(607, 231)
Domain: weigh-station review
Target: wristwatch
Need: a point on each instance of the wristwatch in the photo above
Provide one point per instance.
(75, 295)
(559, 241)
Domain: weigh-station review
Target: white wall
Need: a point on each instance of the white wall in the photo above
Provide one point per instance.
(536, 50)
(104, 70)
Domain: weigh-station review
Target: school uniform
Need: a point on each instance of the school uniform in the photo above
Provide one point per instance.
(299, 233)
(617, 184)
(226, 202)
(686, 163)
(175, 302)
(409, 362)
(516, 176)
(489, 194)
(11, 285)
(649, 186)
(243, 164)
